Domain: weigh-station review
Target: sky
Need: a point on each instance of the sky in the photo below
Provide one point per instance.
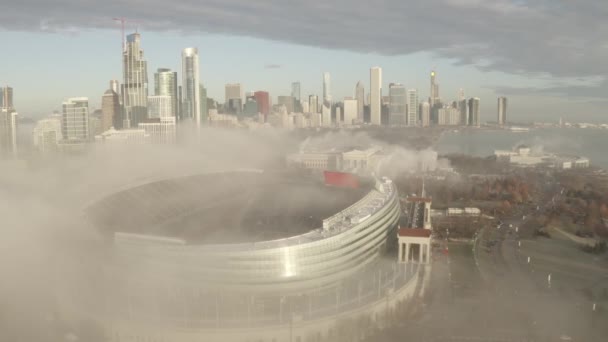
(547, 56)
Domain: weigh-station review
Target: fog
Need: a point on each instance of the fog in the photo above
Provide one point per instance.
(54, 263)
(50, 252)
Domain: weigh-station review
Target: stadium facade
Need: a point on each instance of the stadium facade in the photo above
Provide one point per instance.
(185, 282)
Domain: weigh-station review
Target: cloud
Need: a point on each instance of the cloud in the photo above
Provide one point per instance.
(561, 38)
(273, 66)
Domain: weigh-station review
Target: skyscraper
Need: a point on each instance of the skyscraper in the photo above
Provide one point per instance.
(110, 110)
(502, 110)
(375, 84)
(474, 118)
(135, 82)
(463, 108)
(350, 111)
(165, 84)
(295, 94)
(425, 114)
(191, 107)
(412, 107)
(6, 98)
(313, 104)
(263, 100)
(159, 106)
(295, 91)
(8, 131)
(360, 97)
(75, 119)
(47, 134)
(397, 104)
(204, 107)
(233, 91)
(326, 88)
(434, 98)
(461, 94)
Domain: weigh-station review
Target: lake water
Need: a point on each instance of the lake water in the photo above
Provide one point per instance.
(591, 143)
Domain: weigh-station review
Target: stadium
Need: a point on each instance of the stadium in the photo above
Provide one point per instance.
(250, 255)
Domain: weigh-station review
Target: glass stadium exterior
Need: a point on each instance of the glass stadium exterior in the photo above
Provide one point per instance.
(262, 288)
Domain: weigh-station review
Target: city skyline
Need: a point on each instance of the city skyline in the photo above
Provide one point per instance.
(487, 66)
(309, 87)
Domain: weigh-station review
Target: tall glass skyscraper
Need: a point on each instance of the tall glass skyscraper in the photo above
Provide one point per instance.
(397, 104)
(191, 95)
(502, 110)
(6, 98)
(412, 107)
(360, 96)
(326, 88)
(474, 117)
(165, 84)
(135, 83)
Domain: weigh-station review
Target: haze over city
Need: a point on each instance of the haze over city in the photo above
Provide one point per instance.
(314, 171)
(489, 49)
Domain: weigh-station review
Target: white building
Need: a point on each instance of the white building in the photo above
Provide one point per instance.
(159, 106)
(326, 115)
(361, 161)
(326, 88)
(162, 132)
(350, 111)
(47, 134)
(375, 75)
(319, 161)
(8, 131)
(425, 114)
(412, 107)
(191, 95)
(125, 136)
(75, 119)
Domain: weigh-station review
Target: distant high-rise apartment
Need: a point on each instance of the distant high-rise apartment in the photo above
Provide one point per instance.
(295, 91)
(110, 110)
(204, 106)
(397, 104)
(425, 113)
(6, 98)
(47, 134)
(412, 107)
(135, 82)
(360, 97)
(350, 111)
(375, 89)
(313, 104)
(502, 110)
(326, 88)
(115, 86)
(165, 84)
(233, 91)
(295, 94)
(8, 132)
(434, 98)
(474, 117)
(463, 109)
(263, 100)
(159, 106)
(191, 101)
(75, 119)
